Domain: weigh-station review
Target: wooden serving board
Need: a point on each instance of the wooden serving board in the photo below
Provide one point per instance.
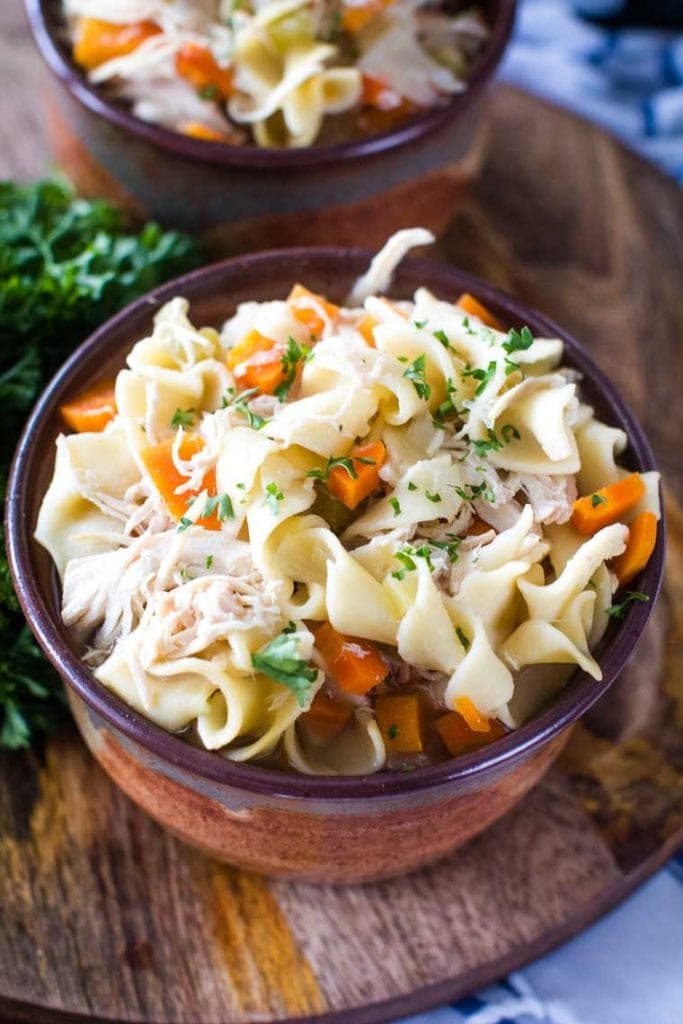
(104, 917)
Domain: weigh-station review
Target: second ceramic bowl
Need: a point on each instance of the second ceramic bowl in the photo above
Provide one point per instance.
(318, 828)
(241, 198)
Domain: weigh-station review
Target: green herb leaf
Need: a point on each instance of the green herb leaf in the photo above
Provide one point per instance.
(509, 431)
(280, 661)
(518, 341)
(463, 638)
(617, 611)
(239, 402)
(449, 546)
(209, 561)
(420, 324)
(293, 356)
(344, 462)
(221, 505)
(273, 496)
(396, 505)
(183, 418)
(483, 376)
(443, 338)
(184, 523)
(597, 499)
(492, 444)
(416, 373)
(412, 486)
(392, 731)
(432, 497)
(208, 92)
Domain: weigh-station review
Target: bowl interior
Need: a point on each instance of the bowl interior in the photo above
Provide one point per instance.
(47, 22)
(214, 292)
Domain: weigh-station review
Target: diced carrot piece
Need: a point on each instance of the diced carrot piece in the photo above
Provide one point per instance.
(92, 410)
(472, 306)
(607, 505)
(96, 42)
(475, 720)
(365, 326)
(256, 362)
(158, 460)
(197, 130)
(326, 718)
(198, 66)
(641, 543)
(305, 307)
(354, 19)
(354, 664)
(400, 717)
(351, 491)
(458, 738)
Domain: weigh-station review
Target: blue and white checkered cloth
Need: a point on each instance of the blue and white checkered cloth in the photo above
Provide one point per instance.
(627, 968)
(629, 80)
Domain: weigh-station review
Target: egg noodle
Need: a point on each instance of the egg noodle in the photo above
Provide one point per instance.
(287, 525)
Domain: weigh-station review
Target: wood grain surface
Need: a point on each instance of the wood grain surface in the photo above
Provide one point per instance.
(106, 917)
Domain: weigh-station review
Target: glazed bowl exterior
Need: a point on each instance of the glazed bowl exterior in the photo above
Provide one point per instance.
(240, 198)
(318, 828)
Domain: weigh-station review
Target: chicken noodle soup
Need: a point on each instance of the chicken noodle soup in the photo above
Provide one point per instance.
(276, 72)
(340, 538)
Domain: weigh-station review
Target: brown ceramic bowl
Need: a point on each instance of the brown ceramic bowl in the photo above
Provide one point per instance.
(319, 828)
(242, 198)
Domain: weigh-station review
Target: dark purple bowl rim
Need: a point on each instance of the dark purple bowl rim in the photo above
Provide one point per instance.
(254, 156)
(571, 703)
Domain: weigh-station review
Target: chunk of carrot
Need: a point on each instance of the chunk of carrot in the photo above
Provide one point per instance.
(458, 738)
(366, 462)
(474, 307)
(197, 130)
(365, 326)
(158, 460)
(400, 717)
(198, 66)
(642, 538)
(92, 410)
(355, 665)
(354, 19)
(474, 718)
(96, 42)
(306, 305)
(326, 718)
(256, 362)
(608, 505)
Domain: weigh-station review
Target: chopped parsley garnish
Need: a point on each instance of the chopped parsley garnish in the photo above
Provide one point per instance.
(518, 341)
(597, 499)
(183, 418)
(420, 324)
(483, 376)
(509, 431)
(412, 486)
(463, 638)
(344, 463)
(392, 732)
(209, 561)
(184, 523)
(481, 490)
(443, 338)
(424, 551)
(416, 374)
(449, 546)
(404, 558)
(432, 496)
(221, 505)
(208, 92)
(491, 444)
(617, 611)
(466, 325)
(280, 661)
(239, 402)
(185, 574)
(447, 409)
(273, 496)
(292, 357)
(395, 504)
